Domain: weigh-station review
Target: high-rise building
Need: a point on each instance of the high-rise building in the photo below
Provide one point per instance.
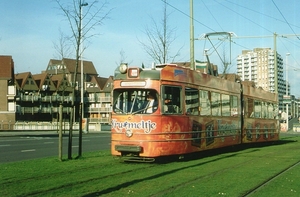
(258, 65)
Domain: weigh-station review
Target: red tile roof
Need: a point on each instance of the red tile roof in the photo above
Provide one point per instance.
(70, 64)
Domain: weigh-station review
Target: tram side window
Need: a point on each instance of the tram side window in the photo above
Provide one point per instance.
(191, 101)
(171, 100)
(250, 107)
(205, 103)
(225, 105)
(257, 109)
(233, 105)
(215, 104)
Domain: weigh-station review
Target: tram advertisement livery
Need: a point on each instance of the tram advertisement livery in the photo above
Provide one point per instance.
(171, 110)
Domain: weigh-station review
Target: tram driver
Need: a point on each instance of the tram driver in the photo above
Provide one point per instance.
(168, 107)
(151, 104)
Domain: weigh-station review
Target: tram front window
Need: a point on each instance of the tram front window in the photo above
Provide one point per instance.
(134, 101)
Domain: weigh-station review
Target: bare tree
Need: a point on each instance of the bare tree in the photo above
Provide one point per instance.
(62, 47)
(93, 16)
(123, 58)
(160, 37)
(226, 65)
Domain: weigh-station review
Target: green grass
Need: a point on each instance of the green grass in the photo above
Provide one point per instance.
(231, 173)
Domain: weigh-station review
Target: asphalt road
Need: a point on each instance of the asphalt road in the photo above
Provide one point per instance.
(18, 146)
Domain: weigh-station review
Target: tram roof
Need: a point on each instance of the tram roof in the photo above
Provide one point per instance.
(178, 74)
(260, 93)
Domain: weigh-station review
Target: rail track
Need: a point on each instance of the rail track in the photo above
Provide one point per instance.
(261, 185)
(109, 176)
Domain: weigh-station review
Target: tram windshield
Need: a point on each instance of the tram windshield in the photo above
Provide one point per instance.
(135, 101)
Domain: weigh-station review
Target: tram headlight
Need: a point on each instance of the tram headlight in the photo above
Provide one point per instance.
(128, 133)
(123, 68)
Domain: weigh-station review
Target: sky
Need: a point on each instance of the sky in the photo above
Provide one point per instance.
(29, 29)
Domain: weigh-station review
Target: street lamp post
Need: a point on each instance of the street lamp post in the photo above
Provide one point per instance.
(81, 59)
(81, 108)
(286, 90)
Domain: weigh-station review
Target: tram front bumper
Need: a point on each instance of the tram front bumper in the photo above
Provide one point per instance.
(128, 148)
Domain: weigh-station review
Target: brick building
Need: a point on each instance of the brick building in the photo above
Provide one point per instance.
(7, 92)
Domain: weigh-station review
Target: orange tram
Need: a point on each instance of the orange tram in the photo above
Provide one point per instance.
(172, 110)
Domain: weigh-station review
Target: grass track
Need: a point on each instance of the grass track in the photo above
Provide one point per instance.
(229, 172)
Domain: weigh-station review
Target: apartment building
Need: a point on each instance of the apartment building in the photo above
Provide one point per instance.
(258, 65)
(67, 67)
(31, 101)
(99, 99)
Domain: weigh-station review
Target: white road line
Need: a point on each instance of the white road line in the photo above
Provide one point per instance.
(3, 145)
(48, 142)
(29, 150)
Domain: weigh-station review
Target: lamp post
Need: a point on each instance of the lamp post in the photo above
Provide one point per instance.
(286, 90)
(81, 59)
(81, 108)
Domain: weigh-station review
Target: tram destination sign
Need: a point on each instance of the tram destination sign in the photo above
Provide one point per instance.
(286, 99)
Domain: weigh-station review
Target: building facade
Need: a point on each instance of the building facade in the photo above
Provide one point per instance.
(32, 101)
(259, 66)
(7, 93)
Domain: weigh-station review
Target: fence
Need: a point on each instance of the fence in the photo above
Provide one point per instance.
(7, 125)
(49, 126)
(39, 126)
(296, 127)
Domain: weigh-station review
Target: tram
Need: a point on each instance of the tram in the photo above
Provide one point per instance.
(171, 110)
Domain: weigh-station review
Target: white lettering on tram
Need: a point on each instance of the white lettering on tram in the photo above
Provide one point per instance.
(147, 125)
(227, 129)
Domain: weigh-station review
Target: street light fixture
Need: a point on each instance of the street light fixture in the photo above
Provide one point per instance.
(286, 90)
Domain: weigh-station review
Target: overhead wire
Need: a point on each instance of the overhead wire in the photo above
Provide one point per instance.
(260, 13)
(198, 20)
(243, 16)
(292, 31)
(220, 42)
(291, 54)
(232, 10)
(187, 15)
(212, 15)
(285, 19)
(263, 14)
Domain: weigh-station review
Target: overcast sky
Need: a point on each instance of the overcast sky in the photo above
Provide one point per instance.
(29, 28)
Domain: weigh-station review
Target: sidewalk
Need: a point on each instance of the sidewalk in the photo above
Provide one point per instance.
(52, 133)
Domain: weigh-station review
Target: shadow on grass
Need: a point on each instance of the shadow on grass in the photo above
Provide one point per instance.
(234, 149)
(213, 152)
(195, 156)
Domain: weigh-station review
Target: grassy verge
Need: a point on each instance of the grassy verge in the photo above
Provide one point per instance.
(230, 173)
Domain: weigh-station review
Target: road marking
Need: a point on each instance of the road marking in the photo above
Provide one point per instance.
(29, 150)
(48, 142)
(4, 145)
(35, 137)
